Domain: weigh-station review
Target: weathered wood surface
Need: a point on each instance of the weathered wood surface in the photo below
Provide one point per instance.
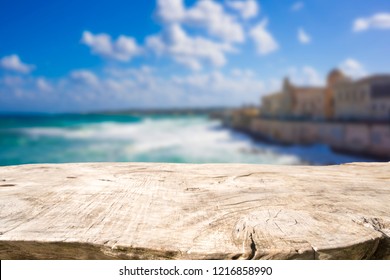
(179, 211)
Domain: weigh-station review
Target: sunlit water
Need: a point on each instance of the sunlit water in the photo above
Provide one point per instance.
(87, 138)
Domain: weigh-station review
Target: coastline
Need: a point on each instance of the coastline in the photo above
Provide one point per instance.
(363, 139)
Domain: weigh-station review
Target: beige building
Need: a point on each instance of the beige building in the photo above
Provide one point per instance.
(380, 97)
(355, 115)
(364, 99)
(241, 118)
(308, 103)
(334, 77)
(294, 102)
(278, 105)
(342, 98)
(271, 105)
(316, 103)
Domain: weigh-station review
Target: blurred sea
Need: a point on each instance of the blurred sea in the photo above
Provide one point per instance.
(177, 139)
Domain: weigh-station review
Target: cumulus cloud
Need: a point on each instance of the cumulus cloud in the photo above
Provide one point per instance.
(123, 49)
(274, 85)
(377, 21)
(12, 81)
(13, 63)
(205, 16)
(118, 87)
(247, 9)
(43, 85)
(305, 76)
(242, 73)
(312, 76)
(170, 10)
(216, 81)
(84, 77)
(303, 37)
(26, 92)
(209, 15)
(265, 42)
(212, 16)
(221, 89)
(186, 50)
(353, 68)
(297, 6)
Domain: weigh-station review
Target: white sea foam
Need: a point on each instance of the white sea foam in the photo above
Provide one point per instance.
(107, 130)
(180, 140)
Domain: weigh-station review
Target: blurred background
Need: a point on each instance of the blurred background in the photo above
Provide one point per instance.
(244, 81)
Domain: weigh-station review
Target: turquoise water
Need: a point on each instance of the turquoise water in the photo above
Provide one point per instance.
(101, 138)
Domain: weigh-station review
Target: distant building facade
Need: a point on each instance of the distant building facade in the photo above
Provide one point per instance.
(241, 117)
(279, 105)
(364, 99)
(271, 106)
(334, 77)
(367, 99)
(348, 116)
(309, 103)
(294, 102)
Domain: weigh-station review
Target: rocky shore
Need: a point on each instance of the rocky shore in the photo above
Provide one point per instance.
(188, 211)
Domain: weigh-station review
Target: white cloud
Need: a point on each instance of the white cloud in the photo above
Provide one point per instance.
(297, 6)
(209, 15)
(84, 77)
(378, 21)
(12, 81)
(25, 91)
(312, 76)
(242, 73)
(43, 85)
(353, 68)
(263, 39)
(303, 37)
(274, 85)
(142, 71)
(123, 49)
(212, 16)
(216, 87)
(193, 50)
(186, 50)
(13, 63)
(119, 87)
(170, 10)
(247, 9)
(305, 76)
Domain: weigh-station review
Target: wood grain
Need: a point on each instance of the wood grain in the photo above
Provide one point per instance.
(188, 211)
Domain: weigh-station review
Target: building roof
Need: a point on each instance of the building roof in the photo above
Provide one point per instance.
(335, 72)
(336, 76)
(369, 79)
(272, 95)
(308, 90)
(374, 78)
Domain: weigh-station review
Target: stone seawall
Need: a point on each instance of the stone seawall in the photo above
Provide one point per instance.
(188, 211)
(364, 139)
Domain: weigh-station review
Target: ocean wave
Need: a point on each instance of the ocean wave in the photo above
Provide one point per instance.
(189, 139)
(107, 130)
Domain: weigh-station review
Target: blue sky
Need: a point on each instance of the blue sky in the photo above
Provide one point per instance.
(62, 56)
